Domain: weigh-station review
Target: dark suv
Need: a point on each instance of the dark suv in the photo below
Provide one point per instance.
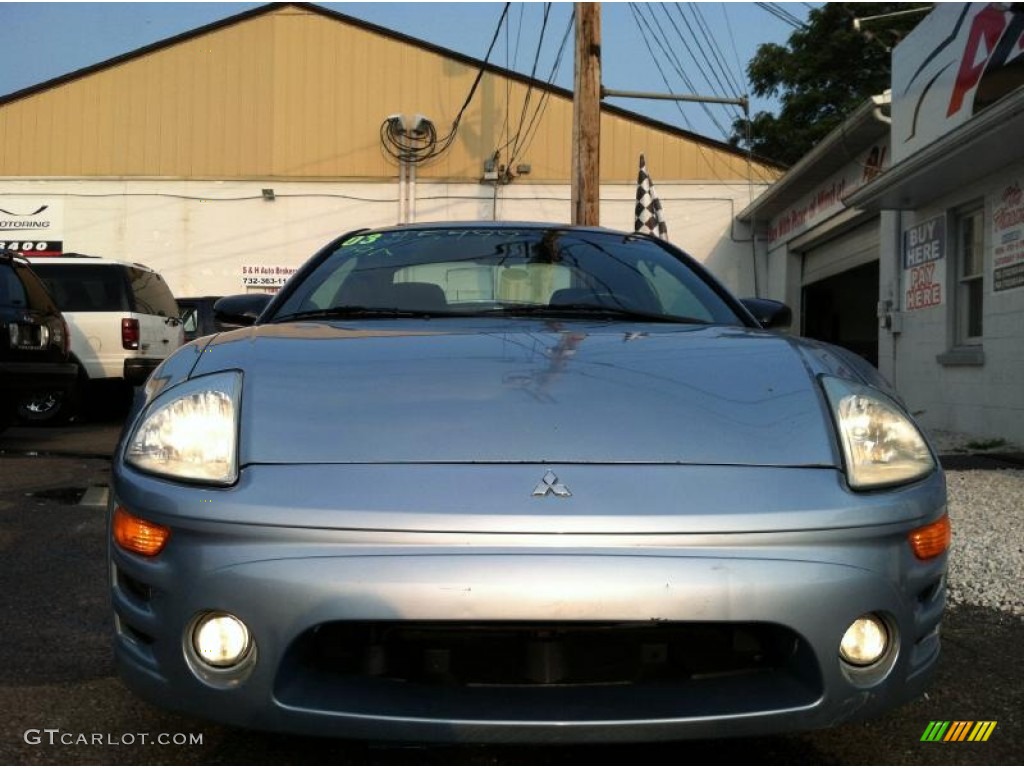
(34, 339)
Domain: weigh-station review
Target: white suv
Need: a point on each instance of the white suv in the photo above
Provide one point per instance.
(123, 322)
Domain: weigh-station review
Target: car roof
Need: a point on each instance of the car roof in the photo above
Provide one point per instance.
(82, 258)
(488, 224)
(11, 256)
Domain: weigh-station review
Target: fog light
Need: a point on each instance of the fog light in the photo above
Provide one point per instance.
(221, 640)
(865, 642)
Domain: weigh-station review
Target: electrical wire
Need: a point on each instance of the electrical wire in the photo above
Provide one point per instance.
(421, 144)
(641, 23)
(781, 14)
(717, 51)
(657, 64)
(666, 48)
(735, 50)
(710, 73)
(533, 76)
(535, 121)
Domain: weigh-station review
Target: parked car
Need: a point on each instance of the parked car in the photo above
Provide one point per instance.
(123, 321)
(34, 349)
(198, 319)
(522, 482)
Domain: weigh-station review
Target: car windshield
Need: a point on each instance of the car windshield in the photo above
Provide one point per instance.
(494, 271)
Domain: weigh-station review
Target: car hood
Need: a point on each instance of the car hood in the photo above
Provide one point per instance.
(522, 392)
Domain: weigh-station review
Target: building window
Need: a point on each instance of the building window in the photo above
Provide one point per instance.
(968, 292)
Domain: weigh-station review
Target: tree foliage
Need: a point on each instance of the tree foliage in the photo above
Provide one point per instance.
(826, 70)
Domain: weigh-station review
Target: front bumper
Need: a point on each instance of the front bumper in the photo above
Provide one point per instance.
(295, 584)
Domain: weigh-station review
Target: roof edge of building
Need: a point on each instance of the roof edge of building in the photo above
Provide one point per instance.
(810, 164)
(376, 29)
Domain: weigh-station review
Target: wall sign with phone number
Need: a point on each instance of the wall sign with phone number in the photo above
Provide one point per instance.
(266, 275)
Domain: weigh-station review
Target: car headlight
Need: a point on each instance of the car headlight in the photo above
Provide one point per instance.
(190, 432)
(881, 445)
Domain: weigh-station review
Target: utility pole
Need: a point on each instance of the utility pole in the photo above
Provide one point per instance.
(586, 117)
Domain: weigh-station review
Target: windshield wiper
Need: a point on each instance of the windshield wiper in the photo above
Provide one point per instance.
(590, 310)
(354, 311)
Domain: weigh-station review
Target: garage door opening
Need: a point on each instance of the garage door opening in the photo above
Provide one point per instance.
(842, 310)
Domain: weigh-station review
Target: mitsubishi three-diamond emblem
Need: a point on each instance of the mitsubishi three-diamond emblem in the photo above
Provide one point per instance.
(549, 484)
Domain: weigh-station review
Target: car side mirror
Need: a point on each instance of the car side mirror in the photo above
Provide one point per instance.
(242, 309)
(769, 313)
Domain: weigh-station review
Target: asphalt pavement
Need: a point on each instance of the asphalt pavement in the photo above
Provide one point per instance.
(63, 703)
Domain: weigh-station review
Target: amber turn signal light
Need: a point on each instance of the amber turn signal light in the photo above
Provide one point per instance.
(931, 540)
(137, 535)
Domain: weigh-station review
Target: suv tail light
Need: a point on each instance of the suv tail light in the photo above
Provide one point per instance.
(59, 335)
(129, 333)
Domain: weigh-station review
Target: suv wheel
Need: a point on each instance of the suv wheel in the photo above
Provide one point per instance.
(49, 406)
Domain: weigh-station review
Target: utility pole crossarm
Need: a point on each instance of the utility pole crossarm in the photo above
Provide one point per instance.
(741, 101)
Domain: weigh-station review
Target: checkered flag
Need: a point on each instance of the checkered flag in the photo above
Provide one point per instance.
(649, 218)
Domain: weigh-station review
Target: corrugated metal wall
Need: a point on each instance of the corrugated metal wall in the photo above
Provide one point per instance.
(293, 93)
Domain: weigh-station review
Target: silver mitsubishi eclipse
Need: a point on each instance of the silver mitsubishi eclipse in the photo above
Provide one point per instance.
(522, 482)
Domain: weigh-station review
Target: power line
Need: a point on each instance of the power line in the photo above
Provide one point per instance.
(514, 140)
(534, 124)
(781, 14)
(722, 88)
(421, 143)
(639, 18)
(732, 39)
(666, 48)
(716, 50)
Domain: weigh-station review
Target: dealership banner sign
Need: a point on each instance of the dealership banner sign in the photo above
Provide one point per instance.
(924, 264)
(961, 58)
(32, 226)
(1008, 238)
(827, 199)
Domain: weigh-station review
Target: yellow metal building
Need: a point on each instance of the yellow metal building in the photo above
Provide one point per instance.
(292, 97)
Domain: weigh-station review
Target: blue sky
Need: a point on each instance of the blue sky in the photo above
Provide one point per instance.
(45, 40)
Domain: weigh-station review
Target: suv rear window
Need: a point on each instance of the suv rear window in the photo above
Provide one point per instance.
(86, 287)
(12, 292)
(152, 296)
(20, 288)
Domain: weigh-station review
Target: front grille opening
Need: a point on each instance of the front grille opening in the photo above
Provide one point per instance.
(543, 654)
(929, 593)
(133, 587)
(137, 635)
(529, 671)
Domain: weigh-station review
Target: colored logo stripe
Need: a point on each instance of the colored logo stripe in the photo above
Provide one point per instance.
(958, 730)
(982, 731)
